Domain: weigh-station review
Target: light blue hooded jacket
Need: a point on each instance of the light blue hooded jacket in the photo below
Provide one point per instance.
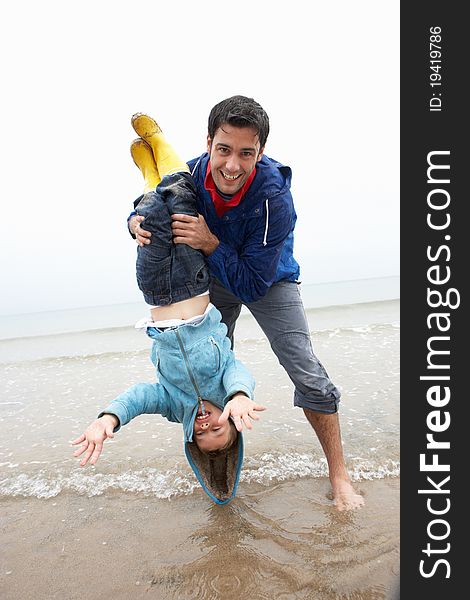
(193, 362)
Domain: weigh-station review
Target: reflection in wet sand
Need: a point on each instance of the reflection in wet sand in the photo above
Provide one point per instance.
(138, 526)
(262, 547)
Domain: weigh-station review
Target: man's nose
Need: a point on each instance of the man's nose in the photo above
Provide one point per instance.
(232, 164)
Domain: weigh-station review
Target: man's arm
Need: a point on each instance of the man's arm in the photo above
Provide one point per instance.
(194, 232)
(250, 272)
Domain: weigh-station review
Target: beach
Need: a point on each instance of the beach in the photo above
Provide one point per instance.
(138, 525)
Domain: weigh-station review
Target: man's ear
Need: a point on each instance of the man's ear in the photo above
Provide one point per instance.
(209, 144)
(260, 155)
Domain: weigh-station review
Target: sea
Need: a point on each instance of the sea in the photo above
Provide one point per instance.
(59, 369)
(137, 524)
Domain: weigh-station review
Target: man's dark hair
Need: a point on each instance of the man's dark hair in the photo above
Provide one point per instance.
(240, 111)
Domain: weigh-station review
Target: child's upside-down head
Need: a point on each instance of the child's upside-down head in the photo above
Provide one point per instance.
(211, 436)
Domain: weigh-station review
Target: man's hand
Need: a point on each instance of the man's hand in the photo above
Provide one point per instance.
(93, 438)
(194, 232)
(142, 236)
(242, 409)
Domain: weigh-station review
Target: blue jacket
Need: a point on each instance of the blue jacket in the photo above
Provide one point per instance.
(257, 236)
(193, 362)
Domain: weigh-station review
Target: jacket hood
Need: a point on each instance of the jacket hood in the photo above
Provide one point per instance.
(218, 475)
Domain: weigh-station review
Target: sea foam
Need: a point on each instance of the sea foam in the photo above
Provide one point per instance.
(265, 470)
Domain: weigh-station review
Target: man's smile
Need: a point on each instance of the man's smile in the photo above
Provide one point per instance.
(230, 177)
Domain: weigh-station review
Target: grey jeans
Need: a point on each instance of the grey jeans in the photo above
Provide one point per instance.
(281, 315)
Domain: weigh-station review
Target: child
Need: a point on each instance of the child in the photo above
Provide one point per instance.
(200, 383)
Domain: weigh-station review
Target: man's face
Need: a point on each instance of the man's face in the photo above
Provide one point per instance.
(208, 434)
(234, 152)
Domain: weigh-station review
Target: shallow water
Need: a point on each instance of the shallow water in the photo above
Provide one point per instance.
(45, 403)
(279, 541)
(137, 524)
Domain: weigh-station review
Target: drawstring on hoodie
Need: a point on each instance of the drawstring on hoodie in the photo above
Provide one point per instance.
(195, 167)
(267, 223)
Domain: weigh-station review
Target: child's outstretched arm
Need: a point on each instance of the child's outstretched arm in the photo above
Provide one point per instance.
(241, 409)
(93, 438)
(239, 385)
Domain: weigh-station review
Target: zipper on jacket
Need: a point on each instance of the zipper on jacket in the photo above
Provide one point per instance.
(190, 372)
(216, 351)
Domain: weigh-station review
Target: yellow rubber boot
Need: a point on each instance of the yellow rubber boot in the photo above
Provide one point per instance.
(167, 159)
(143, 158)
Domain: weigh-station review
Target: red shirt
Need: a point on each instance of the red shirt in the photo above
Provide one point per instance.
(221, 205)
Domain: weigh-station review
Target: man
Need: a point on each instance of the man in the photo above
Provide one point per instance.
(245, 229)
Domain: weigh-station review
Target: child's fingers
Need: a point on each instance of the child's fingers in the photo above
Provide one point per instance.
(238, 422)
(79, 440)
(96, 453)
(253, 416)
(88, 453)
(110, 431)
(259, 407)
(81, 450)
(225, 415)
(247, 421)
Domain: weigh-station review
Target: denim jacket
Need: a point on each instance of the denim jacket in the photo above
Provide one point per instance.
(193, 362)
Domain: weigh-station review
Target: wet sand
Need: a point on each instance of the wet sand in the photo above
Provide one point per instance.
(286, 542)
(137, 525)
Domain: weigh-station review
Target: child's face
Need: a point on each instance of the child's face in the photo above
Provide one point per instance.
(208, 434)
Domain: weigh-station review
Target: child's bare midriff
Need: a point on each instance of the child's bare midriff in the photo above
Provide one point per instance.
(186, 309)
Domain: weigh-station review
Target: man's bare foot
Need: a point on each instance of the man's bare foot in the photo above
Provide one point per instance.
(345, 497)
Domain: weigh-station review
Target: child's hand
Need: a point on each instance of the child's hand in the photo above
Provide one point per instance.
(94, 437)
(242, 409)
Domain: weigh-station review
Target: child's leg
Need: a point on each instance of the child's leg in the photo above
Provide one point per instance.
(167, 160)
(143, 158)
(167, 273)
(153, 265)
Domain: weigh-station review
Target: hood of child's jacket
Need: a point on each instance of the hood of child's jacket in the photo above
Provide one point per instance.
(218, 475)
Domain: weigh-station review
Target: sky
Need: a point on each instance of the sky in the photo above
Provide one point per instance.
(327, 73)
